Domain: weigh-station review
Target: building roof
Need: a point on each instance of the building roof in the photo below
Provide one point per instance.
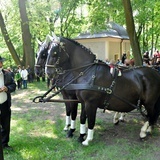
(114, 31)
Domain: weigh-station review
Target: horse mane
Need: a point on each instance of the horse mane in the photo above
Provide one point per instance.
(82, 46)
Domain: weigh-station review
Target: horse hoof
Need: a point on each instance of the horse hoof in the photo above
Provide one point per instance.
(121, 120)
(143, 139)
(86, 142)
(149, 130)
(116, 123)
(70, 133)
(81, 138)
(143, 136)
(66, 128)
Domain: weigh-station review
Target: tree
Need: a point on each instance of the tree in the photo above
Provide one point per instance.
(132, 32)
(28, 53)
(26, 36)
(68, 19)
(8, 41)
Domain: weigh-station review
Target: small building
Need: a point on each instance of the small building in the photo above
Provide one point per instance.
(108, 44)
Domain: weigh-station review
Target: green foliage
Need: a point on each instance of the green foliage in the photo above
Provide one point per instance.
(72, 17)
(12, 21)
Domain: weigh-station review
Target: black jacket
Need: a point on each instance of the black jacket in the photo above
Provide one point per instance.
(10, 84)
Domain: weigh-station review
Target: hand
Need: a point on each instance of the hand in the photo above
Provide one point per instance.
(4, 89)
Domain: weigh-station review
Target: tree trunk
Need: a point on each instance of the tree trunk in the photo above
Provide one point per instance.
(131, 32)
(8, 41)
(29, 57)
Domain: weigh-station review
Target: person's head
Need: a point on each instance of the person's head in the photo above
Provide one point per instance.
(127, 62)
(9, 69)
(1, 61)
(19, 67)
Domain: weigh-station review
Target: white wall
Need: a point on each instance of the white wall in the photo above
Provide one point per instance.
(96, 46)
(106, 48)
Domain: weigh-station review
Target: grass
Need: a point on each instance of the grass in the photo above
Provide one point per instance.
(37, 134)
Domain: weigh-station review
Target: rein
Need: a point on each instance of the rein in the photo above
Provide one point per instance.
(66, 85)
(69, 70)
(36, 65)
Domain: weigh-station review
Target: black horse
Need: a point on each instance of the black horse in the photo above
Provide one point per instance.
(71, 107)
(96, 87)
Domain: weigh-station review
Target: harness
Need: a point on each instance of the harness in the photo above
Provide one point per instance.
(109, 91)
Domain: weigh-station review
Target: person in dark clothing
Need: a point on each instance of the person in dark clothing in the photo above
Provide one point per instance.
(30, 78)
(146, 58)
(124, 57)
(7, 85)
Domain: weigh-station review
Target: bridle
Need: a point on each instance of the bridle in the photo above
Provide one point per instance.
(59, 70)
(43, 57)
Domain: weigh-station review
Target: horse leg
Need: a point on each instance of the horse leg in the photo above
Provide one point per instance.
(82, 124)
(144, 128)
(89, 137)
(73, 107)
(68, 123)
(91, 116)
(116, 119)
(68, 118)
(122, 115)
(153, 114)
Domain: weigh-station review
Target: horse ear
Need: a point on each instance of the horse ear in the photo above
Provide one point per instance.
(55, 38)
(48, 39)
(39, 42)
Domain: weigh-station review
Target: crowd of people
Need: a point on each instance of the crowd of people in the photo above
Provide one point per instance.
(21, 76)
(150, 61)
(154, 60)
(124, 61)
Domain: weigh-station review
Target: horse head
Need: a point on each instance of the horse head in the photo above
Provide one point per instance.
(63, 54)
(57, 58)
(42, 56)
